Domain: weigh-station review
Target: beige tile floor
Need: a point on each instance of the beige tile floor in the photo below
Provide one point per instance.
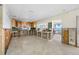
(32, 45)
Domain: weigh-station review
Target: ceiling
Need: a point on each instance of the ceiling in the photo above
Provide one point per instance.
(33, 12)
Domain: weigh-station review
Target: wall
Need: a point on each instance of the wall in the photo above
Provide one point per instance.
(68, 19)
(44, 21)
(1, 30)
(6, 19)
(6, 26)
(6, 22)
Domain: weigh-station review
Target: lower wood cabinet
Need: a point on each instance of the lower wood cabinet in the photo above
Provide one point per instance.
(65, 35)
(8, 35)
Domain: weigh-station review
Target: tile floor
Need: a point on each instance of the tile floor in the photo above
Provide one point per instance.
(32, 45)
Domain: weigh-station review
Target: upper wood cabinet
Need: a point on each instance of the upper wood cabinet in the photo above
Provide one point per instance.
(19, 24)
(33, 24)
(23, 24)
(14, 22)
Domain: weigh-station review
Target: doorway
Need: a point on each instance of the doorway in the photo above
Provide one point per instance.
(57, 30)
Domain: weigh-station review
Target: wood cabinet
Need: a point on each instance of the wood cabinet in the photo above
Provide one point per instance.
(23, 24)
(14, 23)
(7, 34)
(19, 24)
(1, 15)
(65, 35)
(0, 36)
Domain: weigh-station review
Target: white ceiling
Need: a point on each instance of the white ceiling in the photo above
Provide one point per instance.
(30, 12)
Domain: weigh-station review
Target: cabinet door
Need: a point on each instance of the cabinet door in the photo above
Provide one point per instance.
(65, 36)
(7, 37)
(13, 23)
(18, 24)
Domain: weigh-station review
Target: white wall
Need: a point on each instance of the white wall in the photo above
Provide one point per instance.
(68, 19)
(44, 21)
(6, 19)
